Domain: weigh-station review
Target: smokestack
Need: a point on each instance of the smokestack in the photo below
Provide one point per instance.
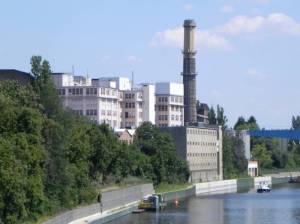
(189, 72)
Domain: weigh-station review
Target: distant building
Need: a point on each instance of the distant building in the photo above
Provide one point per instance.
(103, 102)
(245, 137)
(202, 113)
(84, 96)
(138, 106)
(125, 135)
(122, 83)
(201, 147)
(23, 78)
(252, 168)
(169, 104)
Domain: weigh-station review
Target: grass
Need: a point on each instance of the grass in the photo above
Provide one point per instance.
(164, 187)
(275, 170)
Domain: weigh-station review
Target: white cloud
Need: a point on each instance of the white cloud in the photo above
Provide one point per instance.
(273, 23)
(218, 38)
(188, 7)
(227, 9)
(133, 59)
(256, 75)
(174, 38)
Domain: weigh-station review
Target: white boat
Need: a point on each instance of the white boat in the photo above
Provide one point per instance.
(263, 187)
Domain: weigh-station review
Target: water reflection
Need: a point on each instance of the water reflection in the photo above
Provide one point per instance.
(281, 206)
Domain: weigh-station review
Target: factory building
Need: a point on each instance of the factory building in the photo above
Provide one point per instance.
(201, 147)
(169, 104)
(107, 100)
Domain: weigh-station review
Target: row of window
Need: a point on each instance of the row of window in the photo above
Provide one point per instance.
(163, 99)
(162, 117)
(87, 112)
(176, 117)
(109, 112)
(162, 107)
(211, 164)
(198, 154)
(129, 114)
(88, 91)
(201, 132)
(176, 108)
(92, 112)
(91, 91)
(176, 99)
(202, 143)
(130, 105)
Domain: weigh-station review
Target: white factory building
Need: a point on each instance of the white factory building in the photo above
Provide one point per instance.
(169, 104)
(113, 100)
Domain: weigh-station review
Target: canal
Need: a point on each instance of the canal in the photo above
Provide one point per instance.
(281, 205)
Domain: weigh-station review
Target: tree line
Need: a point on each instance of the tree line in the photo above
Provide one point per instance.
(51, 159)
(266, 151)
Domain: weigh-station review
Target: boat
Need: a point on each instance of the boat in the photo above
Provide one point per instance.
(294, 180)
(263, 187)
(152, 202)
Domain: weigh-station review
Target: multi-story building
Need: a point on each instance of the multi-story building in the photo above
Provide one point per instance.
(201, 147)
(169, 104)
(103, 102)
(138, 106)
(84, 96)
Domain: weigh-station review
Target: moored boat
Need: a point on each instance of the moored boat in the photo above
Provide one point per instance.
(263, 187)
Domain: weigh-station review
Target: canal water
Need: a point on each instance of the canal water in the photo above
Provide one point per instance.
(280, 206)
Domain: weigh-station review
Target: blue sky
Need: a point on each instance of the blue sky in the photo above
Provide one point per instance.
(248, 50)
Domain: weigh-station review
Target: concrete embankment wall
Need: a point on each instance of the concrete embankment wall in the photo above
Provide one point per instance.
(111, 199)
(216, 187)
(170, 196)
(258, 180)
(232, 186)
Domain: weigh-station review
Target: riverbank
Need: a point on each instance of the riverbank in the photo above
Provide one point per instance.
(121, 202)
(115, 202)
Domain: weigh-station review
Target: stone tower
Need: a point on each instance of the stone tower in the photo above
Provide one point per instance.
(189, 72)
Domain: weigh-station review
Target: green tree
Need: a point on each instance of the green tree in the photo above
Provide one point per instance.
(164, 159)
(262, 155)
(212, 116)
(221, 118)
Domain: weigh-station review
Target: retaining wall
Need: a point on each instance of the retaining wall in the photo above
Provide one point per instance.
(171, 196)
(111, 199)
(216, 187)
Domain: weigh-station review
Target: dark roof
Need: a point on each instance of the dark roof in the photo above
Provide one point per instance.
(13, 71)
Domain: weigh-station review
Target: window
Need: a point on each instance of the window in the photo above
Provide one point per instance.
(61, 91)
(126, 114)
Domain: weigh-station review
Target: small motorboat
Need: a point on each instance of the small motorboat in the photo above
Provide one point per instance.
(294, 180)
(152, 202)
(263, 187)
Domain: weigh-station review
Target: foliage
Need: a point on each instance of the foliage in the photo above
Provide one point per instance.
(212, 116)
(234, 160)
(51, 159)
(262, 155)
(242, 124)
(165, 164)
